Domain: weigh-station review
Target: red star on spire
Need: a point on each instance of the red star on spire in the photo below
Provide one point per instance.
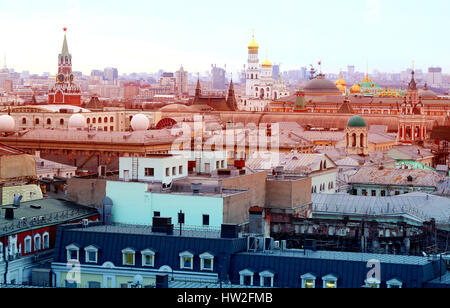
(65, 29)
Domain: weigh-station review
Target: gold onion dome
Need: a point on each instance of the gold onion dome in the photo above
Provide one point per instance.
(341, 82)
(253, 45)
(367, 79)
(266, 63)
(341, 87)
(355, 88)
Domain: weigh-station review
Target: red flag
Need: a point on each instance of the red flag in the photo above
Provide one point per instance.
(320, 62)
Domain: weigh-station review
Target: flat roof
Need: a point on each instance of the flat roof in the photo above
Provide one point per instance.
(343, 256)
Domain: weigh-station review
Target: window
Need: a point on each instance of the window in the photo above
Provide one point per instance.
(206, 262)
(148, 258)
(91, 254)
(36, 121)
(174, 170)
(156, 214)
(111, 119)
(246, 277)
(217, 164)
(94, 285)
(128, 255)
(222, 164)
(73, 252)
(186, 260)
(374, 193)
(308, 281)
(180, 170)
(266, 279)
(167, 171)
(372, 283)
(24, 121)
(383, 193)
(49, 122)
(61, 122)
(27, 245)
(329, 282)
(37, 242)
(394, 284)
(46, 240)
(149, 172)
(206, 220)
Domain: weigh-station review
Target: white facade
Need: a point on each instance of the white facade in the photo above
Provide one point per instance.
(261, 88)
(206, 161)
(156, 168)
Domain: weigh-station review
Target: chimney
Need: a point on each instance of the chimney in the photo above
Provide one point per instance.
(17, 199)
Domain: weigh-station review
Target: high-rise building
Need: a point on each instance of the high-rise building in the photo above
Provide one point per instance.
(276, 71)
(434, 77)
(65, 91)
(182, 82)
(218, 78)
(111, 74)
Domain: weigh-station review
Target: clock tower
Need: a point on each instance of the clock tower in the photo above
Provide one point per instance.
(65, 91)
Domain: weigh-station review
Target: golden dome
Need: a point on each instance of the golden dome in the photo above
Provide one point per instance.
(341, 88)
(253, 45)
(341, 82)
(367, 79)
(266, 63)
(355, 88)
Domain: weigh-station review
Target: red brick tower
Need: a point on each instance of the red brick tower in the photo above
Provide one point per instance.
(65, 91)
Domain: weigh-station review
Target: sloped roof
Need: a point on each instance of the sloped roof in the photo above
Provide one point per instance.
(390, 176)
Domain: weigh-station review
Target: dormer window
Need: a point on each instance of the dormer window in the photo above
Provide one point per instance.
(91, 254)
(206, 262)
(329, 282)
(73, 253)
(186, 260)
(148, 258)
(308, 281)
(394, 284)
(128, 256)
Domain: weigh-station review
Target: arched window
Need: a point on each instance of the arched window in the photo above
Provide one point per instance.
(354, 140)
(49, 121)
(111, 119)
(88, 121)
(61, 122)
(36, 121)
(94, 120)
(37, 242)
(24, 121)
(99, 120)
(46, 240)
(105, 120)
(362, 140)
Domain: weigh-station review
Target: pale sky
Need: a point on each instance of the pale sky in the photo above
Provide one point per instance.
(145, 36)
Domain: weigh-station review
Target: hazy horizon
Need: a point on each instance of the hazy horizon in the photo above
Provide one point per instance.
(142, 36)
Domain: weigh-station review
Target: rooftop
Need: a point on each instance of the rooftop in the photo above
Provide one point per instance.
(343, 256)
(39, 213)
(419, 206)
(391, 176)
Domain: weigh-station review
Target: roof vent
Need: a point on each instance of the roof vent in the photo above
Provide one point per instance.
(196, 187)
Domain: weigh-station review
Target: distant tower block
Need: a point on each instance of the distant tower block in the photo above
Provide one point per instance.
(65, 91)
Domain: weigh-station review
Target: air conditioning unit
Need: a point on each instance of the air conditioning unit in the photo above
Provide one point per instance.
(268, 244)
(276, 245)
(252, 243)
(283, 245)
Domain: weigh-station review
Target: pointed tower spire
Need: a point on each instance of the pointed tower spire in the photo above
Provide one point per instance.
(65, 48)
(198, 89)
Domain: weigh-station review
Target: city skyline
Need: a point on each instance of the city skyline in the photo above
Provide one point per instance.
(373, 33)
